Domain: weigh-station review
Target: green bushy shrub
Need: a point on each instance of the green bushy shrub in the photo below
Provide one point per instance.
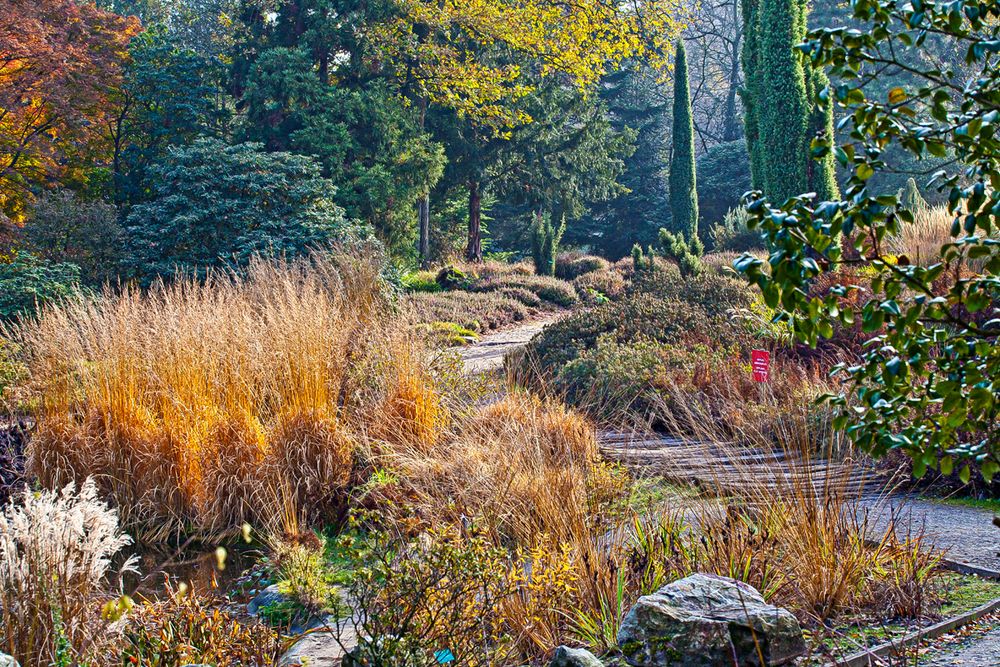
(687, 254)
(572, 265)
(717, 295)
(29, 282)
(641, 316)
(733, 235)
(420, 281)
(451, 277)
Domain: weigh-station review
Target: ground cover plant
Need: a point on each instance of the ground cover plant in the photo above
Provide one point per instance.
(484, 297)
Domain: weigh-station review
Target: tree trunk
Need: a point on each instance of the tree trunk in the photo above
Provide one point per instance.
(731, 125)
(424, 217)
(474, 249)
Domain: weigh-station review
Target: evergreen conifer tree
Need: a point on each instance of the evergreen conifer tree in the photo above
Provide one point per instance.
(683, 183)
(782, 114)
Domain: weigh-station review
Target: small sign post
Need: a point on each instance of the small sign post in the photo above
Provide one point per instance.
(760, 362)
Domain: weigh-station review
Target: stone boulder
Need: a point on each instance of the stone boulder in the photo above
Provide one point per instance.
(574, 657)
(708, 621)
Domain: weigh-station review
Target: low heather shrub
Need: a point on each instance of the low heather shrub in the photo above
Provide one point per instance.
(572, 265)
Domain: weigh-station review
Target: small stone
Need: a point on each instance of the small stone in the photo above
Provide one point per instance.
(574, 657)
(708, 621)
(8, 661)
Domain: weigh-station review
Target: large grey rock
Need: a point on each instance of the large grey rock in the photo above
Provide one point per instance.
(574, 657)
(7, 661)
(708, 621)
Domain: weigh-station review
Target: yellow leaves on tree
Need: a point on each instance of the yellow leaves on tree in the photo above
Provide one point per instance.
(467, 54)
(58, 61)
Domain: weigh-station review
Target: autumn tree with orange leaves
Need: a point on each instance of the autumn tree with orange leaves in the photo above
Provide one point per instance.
(59, 60)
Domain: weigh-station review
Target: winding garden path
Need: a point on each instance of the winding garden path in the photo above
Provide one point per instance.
(487, 354)
(965, 533)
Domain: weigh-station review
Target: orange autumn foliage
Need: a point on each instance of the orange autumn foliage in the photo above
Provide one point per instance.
(59, 60)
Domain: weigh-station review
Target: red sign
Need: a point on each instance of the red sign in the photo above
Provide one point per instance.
(760, 362)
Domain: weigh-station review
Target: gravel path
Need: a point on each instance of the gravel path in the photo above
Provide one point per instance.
(980, 649)
(487, 354)
(967, 534)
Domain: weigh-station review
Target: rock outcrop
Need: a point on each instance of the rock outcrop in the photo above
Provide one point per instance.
(708, 621)
(574, 657)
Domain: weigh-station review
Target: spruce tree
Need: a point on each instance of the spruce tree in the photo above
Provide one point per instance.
(683, 183)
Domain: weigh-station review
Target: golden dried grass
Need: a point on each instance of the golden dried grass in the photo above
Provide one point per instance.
(200, 405)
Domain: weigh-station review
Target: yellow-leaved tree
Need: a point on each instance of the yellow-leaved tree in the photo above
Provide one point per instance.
(471, 55)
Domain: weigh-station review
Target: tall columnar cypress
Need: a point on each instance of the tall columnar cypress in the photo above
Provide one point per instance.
(683, 182)
(782, 115)
(752, 75)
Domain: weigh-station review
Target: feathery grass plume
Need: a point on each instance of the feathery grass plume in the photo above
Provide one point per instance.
(56, 551)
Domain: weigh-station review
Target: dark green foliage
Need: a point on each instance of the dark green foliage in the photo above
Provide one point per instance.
(566, 160)
(366, 139)
(28, 282)
(170, 96)
(451, 277)
(926, 381)
(782, 114)
(545, 241)
(910, 197)
(218, 205)
(683, 182)
(64, 227)
(635, 100)
(723, 179)
(733, 233)
(686, 255)
(713, 293)
(638, 317)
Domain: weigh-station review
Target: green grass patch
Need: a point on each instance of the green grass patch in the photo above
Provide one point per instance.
(450, 334)
(961, 593)
(991, 504)
(421, 281)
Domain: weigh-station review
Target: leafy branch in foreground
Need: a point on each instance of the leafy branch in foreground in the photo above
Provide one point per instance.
(926, 382)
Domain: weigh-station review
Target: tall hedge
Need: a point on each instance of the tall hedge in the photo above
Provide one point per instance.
(782, 115)
(683, 181)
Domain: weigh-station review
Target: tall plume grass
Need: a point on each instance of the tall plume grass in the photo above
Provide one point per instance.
(56, 549)
(206, 404)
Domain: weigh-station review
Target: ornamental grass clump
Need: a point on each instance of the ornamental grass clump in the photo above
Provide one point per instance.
(56, 552)
(203, 404)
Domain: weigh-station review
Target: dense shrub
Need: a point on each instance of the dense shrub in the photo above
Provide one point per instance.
(733, 235)
(479, 312)
(571, 265)
(219, 205)
(64, 227)
(420, 281)
(451, 277)
(607, 282)
(641, 316)
(28, 282)
(187, 628)
(715, 294)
